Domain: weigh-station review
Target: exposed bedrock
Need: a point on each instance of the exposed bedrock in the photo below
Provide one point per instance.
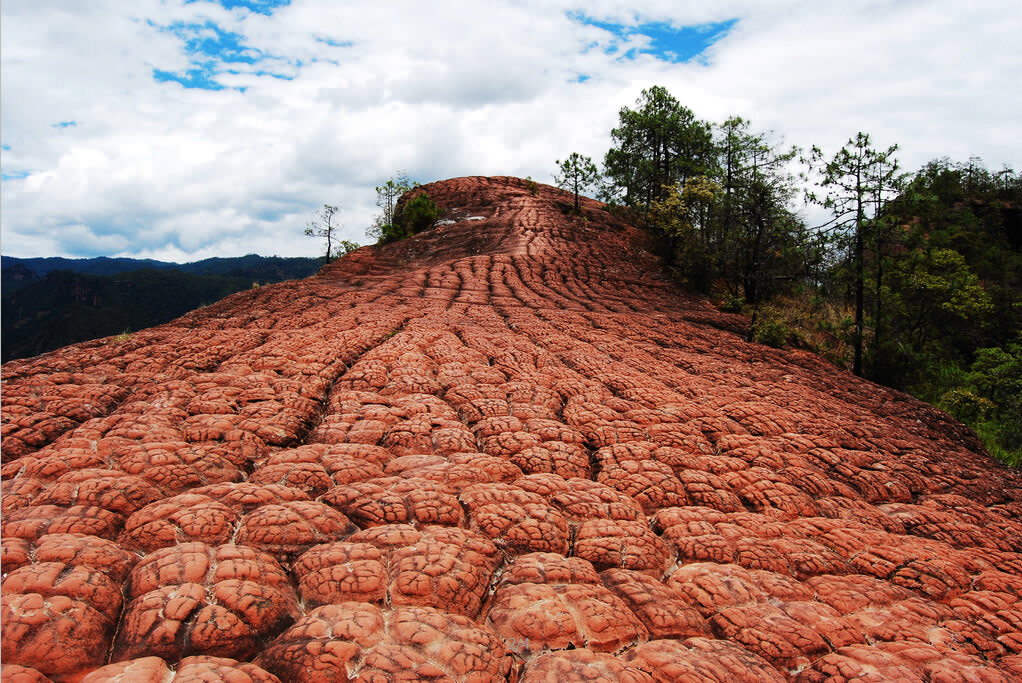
(508, 448)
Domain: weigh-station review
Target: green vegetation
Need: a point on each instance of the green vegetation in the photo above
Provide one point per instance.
(576, 174)
(404, 210)
(915, 282)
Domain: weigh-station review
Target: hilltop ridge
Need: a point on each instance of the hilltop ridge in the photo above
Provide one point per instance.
(506, 448)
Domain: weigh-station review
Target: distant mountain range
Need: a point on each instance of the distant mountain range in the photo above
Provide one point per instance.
(51, 302)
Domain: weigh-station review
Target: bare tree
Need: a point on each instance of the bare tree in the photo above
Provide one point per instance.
(325, 227)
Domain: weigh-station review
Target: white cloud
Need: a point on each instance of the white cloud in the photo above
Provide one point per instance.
(348, 93)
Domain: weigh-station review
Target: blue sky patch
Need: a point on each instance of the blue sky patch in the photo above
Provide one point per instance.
(667, 42)
(64, 124)
(6, 148)
(335, 43)
(211, 49)
(14, 175)
(265, 7)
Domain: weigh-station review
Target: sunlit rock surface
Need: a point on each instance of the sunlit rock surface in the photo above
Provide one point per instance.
(506, 449)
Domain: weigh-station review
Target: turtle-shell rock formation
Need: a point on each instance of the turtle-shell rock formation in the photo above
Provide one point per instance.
(508, 448)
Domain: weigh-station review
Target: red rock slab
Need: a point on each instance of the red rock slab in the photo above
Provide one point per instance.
(396, 500)
(286, 530)
(359, 641)
(75, 550)
(957, 636)
(15, 673)
(206, 565)
(434, 566)
(996, 613)
(448, 567)
(552, 430)
(1011, 665)
(710, 587)
(618, 543)
(35, 521)
(516, 520)
(508, 444)
(767, 631)
(111, 490)
(555, 457)
(342, 572)
(414, 436)
(779, 586)
(695, 517)
(803, 558)
(176, 466)
(561, 616)
(912, 619)
(652, 484)
(309, 477)
(408, 463)
(998, 581)
(15, 553)
(708, 490)
(196, 669)
(581, 665)
(943, 525)
(245, 496)
(582, 499)
(761, 489)
(937, 665)
(826, 621)
(462, 470)
(180, 519)
(79, 583)
(700, 660)
(692, 544)
(859, 663)
(19, 493)
(453, 439)
(56, 635)
(548, 568)
(230, 618)
(659, 608)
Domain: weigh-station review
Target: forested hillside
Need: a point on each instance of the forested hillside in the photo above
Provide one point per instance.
(914, 280)
(46, 305)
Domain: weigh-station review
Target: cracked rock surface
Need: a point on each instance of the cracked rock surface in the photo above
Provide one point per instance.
(508, 448)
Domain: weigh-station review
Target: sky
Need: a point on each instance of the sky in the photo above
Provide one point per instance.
(185, 129)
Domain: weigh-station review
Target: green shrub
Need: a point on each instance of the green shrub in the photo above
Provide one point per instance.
(732, 303)
(771, 330)
(419, 214)
(966, 406)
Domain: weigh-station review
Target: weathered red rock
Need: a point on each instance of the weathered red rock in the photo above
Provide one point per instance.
(193, 599)
(355, 640)
(439, 567)
(582, 665)
(196, 669)
(509, 435)
(560, 616)
(700, 660)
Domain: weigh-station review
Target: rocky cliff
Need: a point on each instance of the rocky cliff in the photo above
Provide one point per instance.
(505, 449)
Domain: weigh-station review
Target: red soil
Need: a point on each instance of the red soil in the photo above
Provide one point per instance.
(508, 448)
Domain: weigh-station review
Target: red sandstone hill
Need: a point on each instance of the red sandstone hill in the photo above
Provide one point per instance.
(505, 449)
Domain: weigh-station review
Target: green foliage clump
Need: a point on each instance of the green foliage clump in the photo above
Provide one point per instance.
(770, 329)
(576, 174)
(732, 303)
(420, 213)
